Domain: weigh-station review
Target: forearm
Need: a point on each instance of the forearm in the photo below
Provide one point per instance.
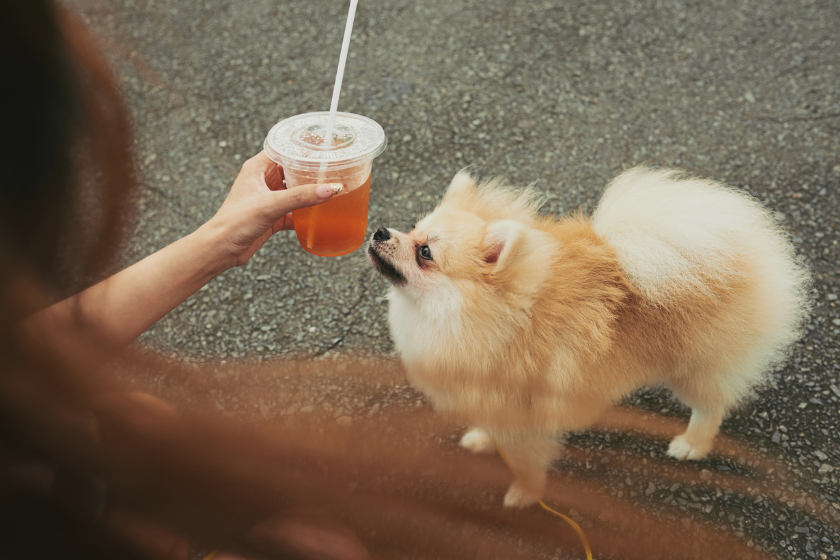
(120, 308)
(94, 324)
(128, 303)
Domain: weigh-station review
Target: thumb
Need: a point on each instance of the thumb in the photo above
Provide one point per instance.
(303, 197)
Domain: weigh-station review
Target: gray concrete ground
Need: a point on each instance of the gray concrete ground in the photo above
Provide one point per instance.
(564, 94)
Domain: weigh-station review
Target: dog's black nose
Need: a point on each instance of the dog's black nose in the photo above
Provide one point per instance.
(382, 234)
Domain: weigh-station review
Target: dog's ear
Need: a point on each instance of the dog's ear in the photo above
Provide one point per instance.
(462, 185)
(520, 256)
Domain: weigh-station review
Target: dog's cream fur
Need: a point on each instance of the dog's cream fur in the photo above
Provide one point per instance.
(529, 326)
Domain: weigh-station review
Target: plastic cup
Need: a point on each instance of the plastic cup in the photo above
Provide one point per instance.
(339, 226)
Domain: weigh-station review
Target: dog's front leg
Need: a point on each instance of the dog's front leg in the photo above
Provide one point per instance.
(530, 458)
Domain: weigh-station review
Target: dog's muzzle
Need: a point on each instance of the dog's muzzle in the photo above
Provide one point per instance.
(380, 261)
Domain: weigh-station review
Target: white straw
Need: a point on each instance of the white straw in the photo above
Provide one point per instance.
(339, 75)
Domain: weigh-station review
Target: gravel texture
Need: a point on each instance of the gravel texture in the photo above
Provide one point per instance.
(562, 94)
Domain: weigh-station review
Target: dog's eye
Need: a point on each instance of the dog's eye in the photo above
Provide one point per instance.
(425, 253)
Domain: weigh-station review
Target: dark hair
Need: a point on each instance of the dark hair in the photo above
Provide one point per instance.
(45, 113)
(40, 117)
(63, 127)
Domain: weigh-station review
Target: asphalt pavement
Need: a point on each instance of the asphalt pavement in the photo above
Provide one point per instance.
(561, 94)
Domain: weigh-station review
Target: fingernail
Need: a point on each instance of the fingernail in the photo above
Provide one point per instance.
(329, 189)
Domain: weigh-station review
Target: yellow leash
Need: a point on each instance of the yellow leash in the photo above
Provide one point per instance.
(568, 520)
(211, 555)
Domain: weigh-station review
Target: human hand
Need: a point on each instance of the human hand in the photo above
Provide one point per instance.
(259, 205)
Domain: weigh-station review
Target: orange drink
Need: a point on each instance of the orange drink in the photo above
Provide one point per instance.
(336, 227)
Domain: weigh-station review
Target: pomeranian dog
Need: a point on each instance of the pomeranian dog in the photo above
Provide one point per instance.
(530, 326)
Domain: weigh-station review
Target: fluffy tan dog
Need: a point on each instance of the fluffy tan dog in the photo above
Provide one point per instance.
(529, 326)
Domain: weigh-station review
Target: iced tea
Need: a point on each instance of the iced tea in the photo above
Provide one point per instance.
(298, 144)
(337, 227)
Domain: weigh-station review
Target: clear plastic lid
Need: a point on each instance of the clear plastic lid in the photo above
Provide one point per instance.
(299, 141)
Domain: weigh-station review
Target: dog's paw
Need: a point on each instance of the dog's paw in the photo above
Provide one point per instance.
(477, 441)
(519, 497)
(682, 449)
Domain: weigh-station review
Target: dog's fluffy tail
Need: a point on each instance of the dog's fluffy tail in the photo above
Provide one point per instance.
(676, 235)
